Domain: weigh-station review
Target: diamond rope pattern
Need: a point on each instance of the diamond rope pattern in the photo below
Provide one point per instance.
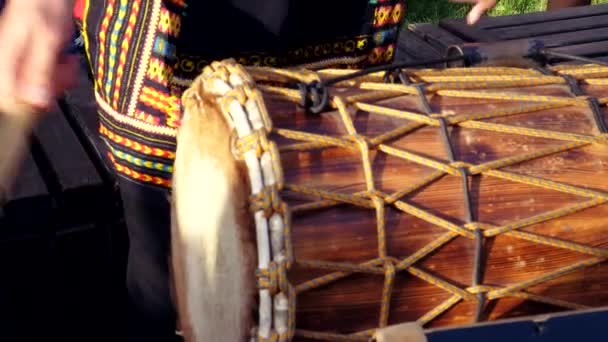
(465, 83)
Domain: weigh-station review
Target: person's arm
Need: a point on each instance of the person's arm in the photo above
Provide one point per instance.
(33, 70)
(480, 7)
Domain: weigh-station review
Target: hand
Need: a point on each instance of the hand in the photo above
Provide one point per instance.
(480, 7)
(33, 33)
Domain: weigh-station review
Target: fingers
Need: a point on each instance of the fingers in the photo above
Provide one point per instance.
(40, 65)
(480, 7)
(36, 79)
(478, 10)
(12, 43)
(32, 73)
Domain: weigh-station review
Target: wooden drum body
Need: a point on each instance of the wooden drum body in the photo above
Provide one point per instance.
(468, 195)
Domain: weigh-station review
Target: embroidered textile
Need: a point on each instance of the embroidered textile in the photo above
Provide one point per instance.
(144, 54)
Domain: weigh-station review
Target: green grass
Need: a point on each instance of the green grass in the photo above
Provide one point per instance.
(434, 10)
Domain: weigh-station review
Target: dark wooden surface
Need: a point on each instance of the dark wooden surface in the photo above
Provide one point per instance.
(580, 31)
(62, 180)
(62, 239)
(54, 228)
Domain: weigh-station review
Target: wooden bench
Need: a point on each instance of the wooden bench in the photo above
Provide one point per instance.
(579, 31)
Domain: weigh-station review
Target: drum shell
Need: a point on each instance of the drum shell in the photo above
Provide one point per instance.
(533, 157)
(349, 234)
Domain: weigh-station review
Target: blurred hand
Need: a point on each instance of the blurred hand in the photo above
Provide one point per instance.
(33, 71)
(480, 7)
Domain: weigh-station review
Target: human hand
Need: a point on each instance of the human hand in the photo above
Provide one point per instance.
(33, 70)
(480, 7)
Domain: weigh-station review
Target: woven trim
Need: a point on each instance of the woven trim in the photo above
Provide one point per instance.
(111, 80)
(142, 126)
(140, 162)
(139, 176)
(102, 36)
(131, 144)
(125, 47)
(145, 56)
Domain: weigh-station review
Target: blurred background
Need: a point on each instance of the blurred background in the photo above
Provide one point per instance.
(420, 11)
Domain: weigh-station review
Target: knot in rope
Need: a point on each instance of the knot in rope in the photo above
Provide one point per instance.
(391, 199)
(268, 201)
(460, 165)
(390, 266)
(396, 76)
(362, 141)
(217, 69)
(314, 96)
(256, 141)
(479, 289)
(473, 226)
(236, 94)
(274, 278)
(376, 195)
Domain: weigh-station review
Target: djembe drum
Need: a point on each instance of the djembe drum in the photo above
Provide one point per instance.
(310, 209)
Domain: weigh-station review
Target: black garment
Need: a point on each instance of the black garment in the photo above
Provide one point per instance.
(280, 33)
(151, 315)
(271, 26)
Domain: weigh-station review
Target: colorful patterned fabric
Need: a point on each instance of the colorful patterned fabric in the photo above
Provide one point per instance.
(144, 53)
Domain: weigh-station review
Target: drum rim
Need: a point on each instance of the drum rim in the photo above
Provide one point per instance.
(244, 110)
